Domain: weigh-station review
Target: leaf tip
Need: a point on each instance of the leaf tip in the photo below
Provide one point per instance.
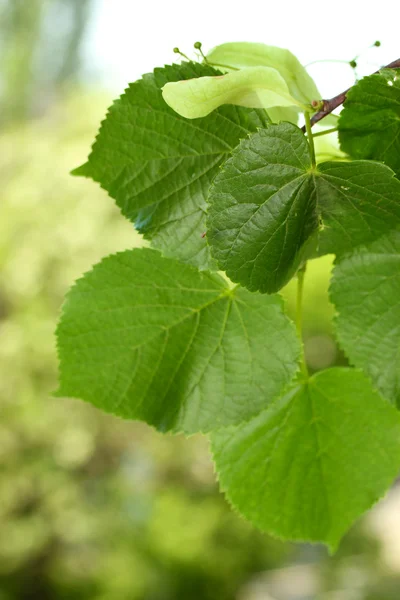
(81, 171)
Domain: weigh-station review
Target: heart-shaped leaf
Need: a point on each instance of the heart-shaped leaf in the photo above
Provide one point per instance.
(366, 292)
(147, 337)
(316, 459)
(269, 209)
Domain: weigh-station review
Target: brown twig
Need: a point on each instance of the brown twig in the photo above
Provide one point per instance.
(330, 105)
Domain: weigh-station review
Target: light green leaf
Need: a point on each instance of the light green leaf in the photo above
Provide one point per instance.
(247, 54)
(369, 124)
(278, 114)
(263, 210)
(366, 292)
(254, 87)
(158, 166)
(267, 206)
(316, 459)
(146, 337)
(327, 148)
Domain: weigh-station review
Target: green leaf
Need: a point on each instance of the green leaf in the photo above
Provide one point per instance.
(254, 87)
(358, 202)
(158, 166)
(327, 148)
(316, 459)
(366, 292)
(369, 124)
(247, 54)
(147, 337)
(262, 209)
(278, 114)
(267, 206)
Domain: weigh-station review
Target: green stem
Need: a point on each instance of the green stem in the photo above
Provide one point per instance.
(299, 315)
(185, 56)
(319, 133)
(215, 64)
(310, 138)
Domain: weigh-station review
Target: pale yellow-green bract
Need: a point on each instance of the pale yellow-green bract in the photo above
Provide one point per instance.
(246, 54)
(254, 87)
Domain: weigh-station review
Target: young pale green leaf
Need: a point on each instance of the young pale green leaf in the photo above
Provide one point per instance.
(254, 87)
(369, 124)
(366, 292)
(262, 209)
(327, 148)
(247, 54)
(147, 337)
(316, 459)
(268, 206)
(287, 113)
(158, 166)
(358, 202)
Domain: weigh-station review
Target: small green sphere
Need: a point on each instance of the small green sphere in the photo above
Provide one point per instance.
(197, 45)
(353, 64)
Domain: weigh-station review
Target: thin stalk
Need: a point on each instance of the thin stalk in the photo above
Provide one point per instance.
(185, 56)
(215, 64)
(310, 138)
(319, 133)
(299, 315)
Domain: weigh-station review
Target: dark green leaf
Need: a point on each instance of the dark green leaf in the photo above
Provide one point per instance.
(158, 166)
(150, 338)
(369, 125)
(263, 209)
(358, 202)
(366, 292)
(268, 206)
(315, 460)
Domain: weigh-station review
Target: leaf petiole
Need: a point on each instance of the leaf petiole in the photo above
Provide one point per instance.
(310, 137)
(215, 64)
(299, 315)
(319, 133)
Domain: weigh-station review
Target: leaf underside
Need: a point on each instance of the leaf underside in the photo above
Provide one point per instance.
(146, 337)
(316, 459)
(365, 289)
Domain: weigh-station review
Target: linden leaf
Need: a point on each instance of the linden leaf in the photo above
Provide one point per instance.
(147, 337)
(262, 210)
(315, 460)
(159, 166)
(369, 124)
(366, 292)
(358, 201)
(270, 210)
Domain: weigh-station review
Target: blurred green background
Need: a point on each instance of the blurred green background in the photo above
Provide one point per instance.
(92, 507)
